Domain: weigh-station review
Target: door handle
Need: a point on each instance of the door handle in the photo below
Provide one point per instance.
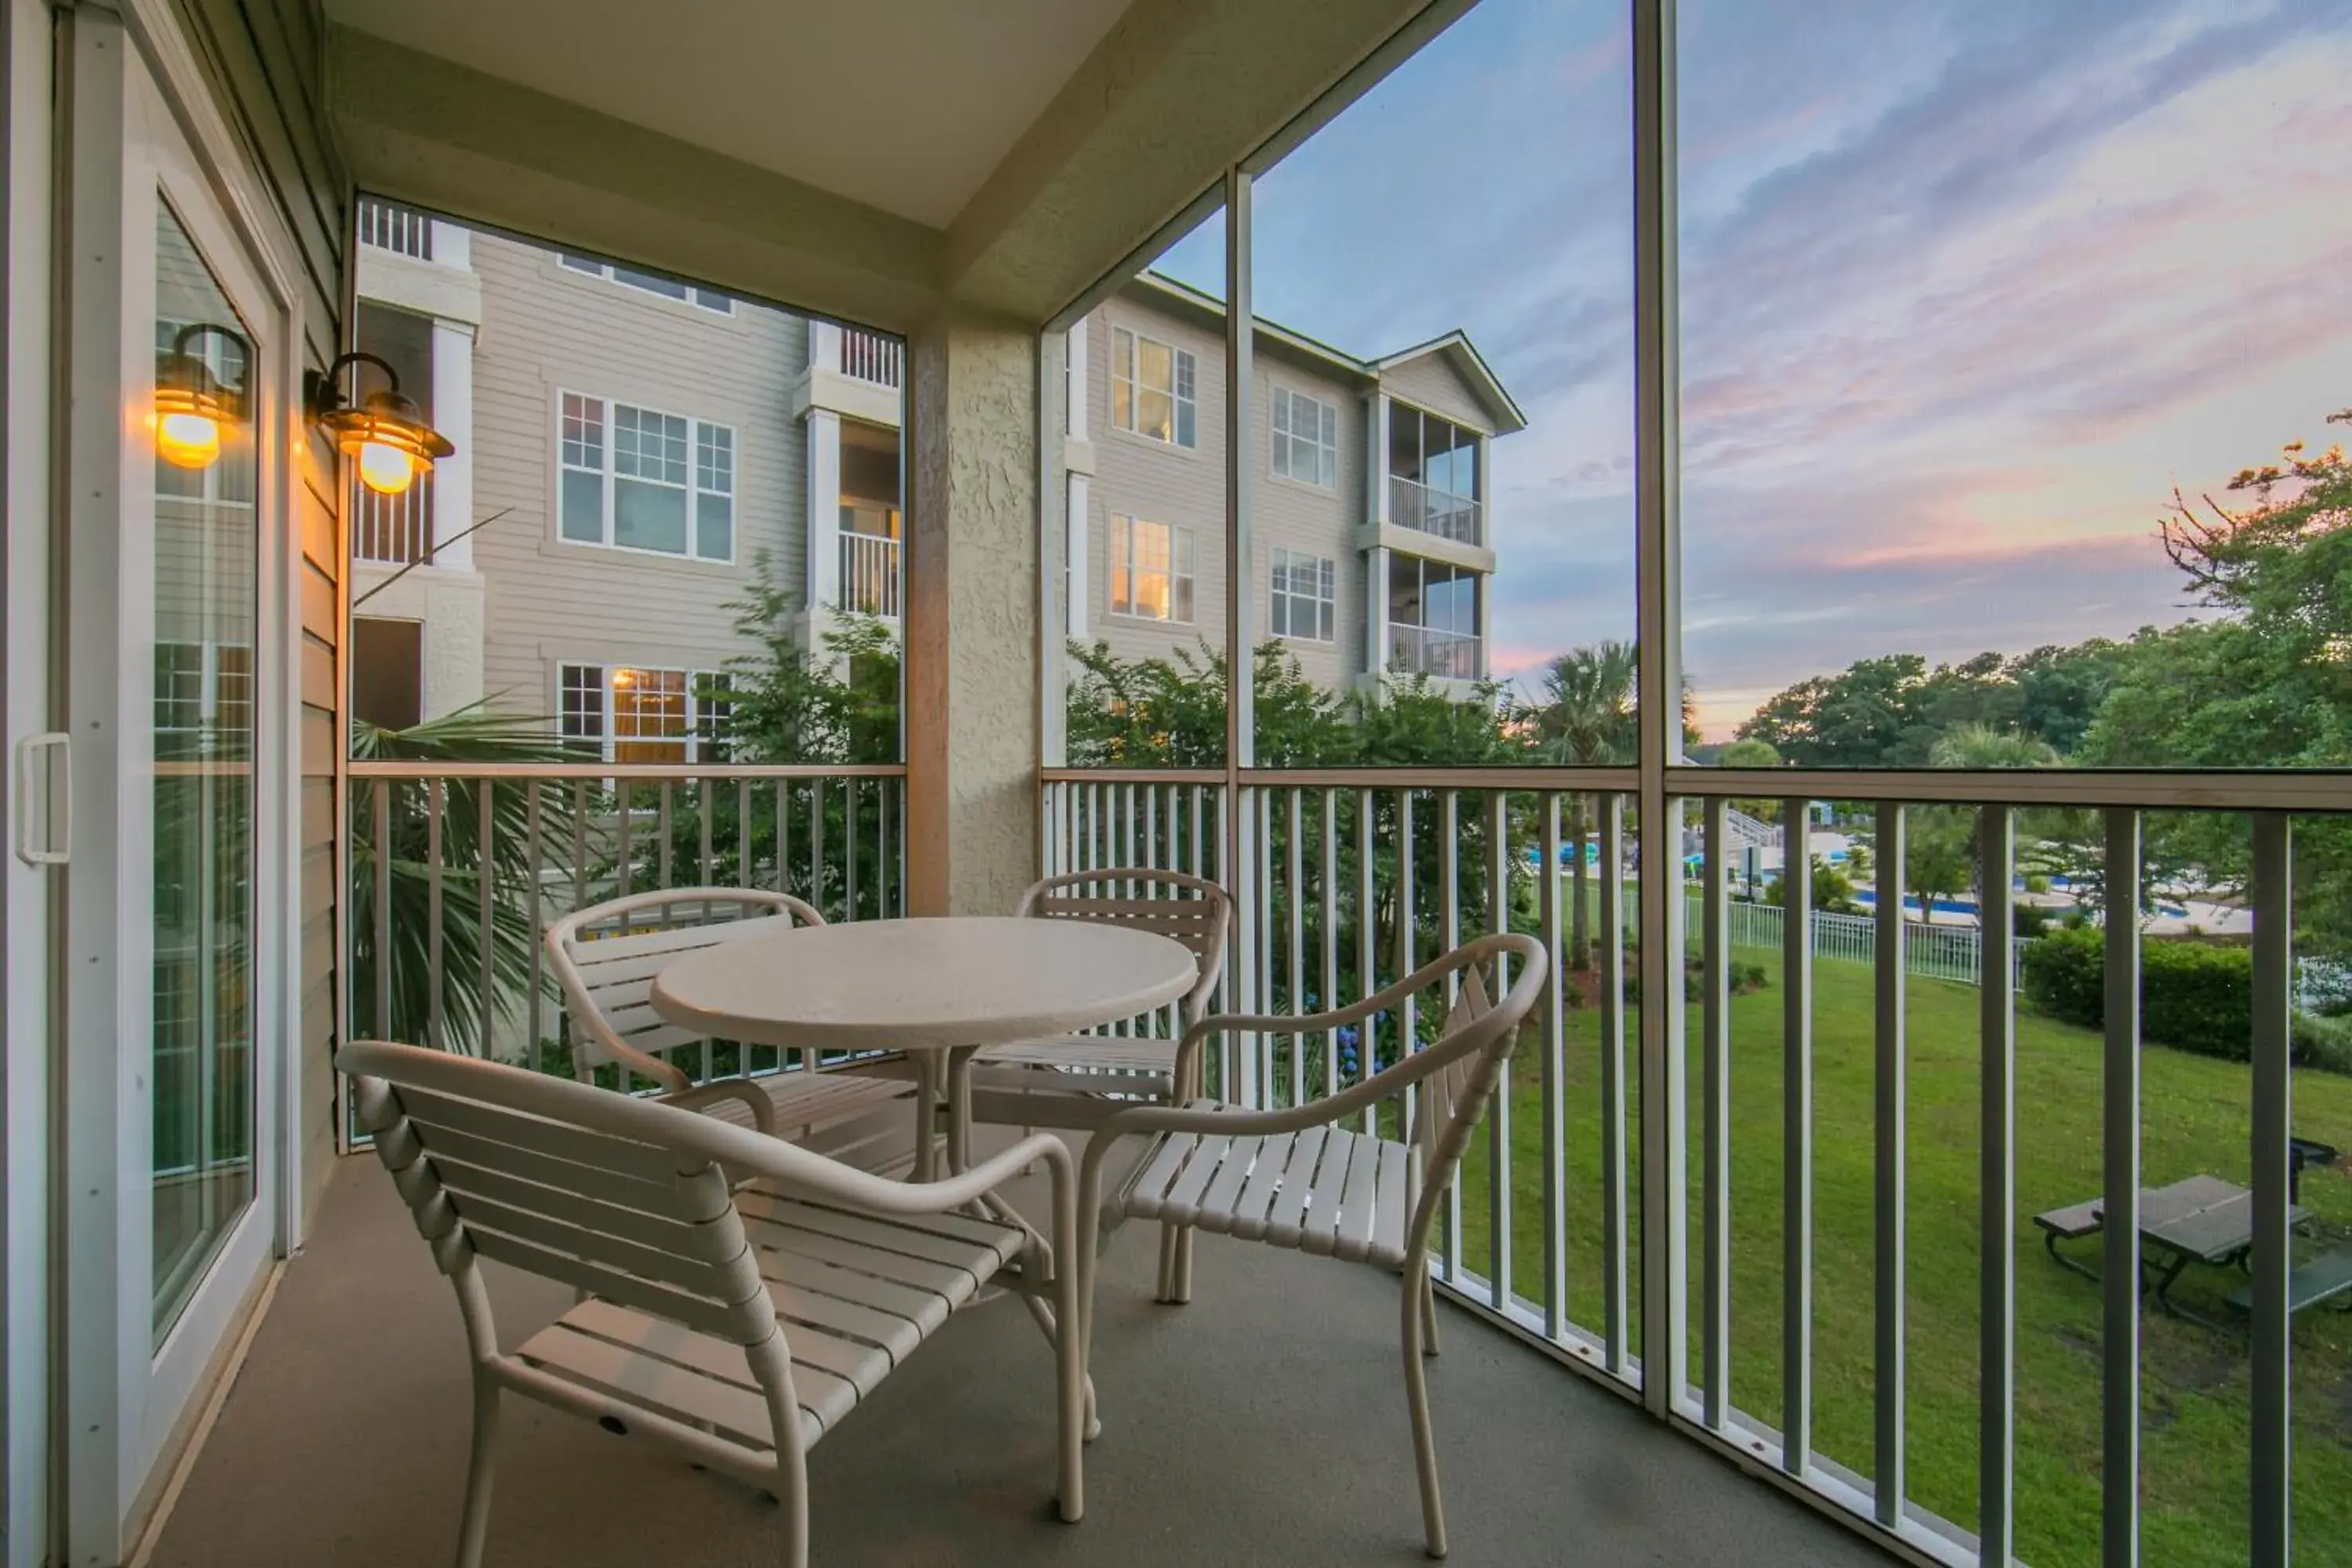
(57, 799)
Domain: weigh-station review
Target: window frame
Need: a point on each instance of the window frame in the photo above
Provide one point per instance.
(1282, 437)
(1183, 567)
(698, 737)
(1283, 600)
(1183, 366)
(695, 294)
(609, 477)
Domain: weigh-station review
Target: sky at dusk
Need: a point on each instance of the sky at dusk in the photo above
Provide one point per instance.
(1967, 287)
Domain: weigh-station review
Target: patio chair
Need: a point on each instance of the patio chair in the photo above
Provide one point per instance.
(606, 957)
(1077, 1081)
(1297, 1178)
(734, 1326)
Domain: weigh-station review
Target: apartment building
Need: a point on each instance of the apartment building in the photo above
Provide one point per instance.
(1373, 543)
(630, 447)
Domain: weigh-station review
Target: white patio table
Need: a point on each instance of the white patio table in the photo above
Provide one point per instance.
(940, 990)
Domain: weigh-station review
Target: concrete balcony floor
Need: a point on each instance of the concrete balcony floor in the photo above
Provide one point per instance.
(1265, 1423)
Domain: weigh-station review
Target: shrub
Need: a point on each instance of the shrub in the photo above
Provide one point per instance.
(2324, 1042)
(2064, 972)
(2196, 995)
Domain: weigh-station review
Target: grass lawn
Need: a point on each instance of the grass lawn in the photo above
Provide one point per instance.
(2194, 1444)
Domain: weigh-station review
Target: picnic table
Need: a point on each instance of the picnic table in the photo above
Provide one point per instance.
(2201, 1219)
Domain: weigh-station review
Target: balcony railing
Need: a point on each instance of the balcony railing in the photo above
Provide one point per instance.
(1414, 505)
(870, 583)
(1848, 1136)
(392, 529)
(869, 356)
(388, 226)
(1423, 650)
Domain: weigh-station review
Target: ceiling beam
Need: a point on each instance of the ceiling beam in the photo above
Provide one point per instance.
(478, 147)
(1175, 92)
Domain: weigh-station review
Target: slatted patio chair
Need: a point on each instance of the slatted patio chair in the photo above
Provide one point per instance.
(1077, 1080)
(606, 957)
(734, 1325)
(1299, 1178)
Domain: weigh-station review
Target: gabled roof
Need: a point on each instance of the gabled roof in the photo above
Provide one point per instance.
(1456, 347)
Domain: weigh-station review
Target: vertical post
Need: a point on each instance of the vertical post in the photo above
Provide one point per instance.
(1554, 1081)
(1796, 1138)
(2119, 1235)
(1997, 1184)
(1657, 572)
(452, 494)
(2272, 888)
(1611, 954)
(1240, 742)
(1715, 943)
(1887, 1208)
(433, 928)
(1499, 1112)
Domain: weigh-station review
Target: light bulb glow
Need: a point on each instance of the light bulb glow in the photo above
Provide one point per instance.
(385, 469)
(188, 440)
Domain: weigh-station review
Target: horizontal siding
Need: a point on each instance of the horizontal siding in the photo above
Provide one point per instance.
(1430, 383)
(546, 331)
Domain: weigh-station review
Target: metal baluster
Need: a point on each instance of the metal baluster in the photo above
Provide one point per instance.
(1449, 936)
(817, 844)
(2119, 1282)
(433, 954)
(849, 808)
(531, 891)
(580, 896)
(665, 822)
(1297, 934)
(486, 890)
(743, 834)
(1996, 1146)
(1407, 1009)
(1614, 1293)
(1367, 946)
(1498, 1114)
(381, 789)
(784, 846)
(626, 874)
(706, 806)
(1554, 1079)
(2272, 1258)
(1796, 1137)
(1331, 894)
(1888, 1112)
(1715, 1020)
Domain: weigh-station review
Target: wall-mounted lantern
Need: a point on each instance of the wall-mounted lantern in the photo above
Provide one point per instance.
(192, 403)
(385, 431)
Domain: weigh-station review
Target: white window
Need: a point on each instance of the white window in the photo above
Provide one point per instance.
(628, 713)
(1305, 603)
(1306, 438)
(637, 479)
(1151, 570)
(1152, 389)
(203, 699)
(668, 288)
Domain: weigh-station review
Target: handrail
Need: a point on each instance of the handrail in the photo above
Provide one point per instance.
(593, 772)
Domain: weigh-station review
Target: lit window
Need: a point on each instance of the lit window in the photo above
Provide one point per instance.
(1306, 438)
(668, 288)
(1151, 570)
(627, 481)
(1305, 603)
(1153, 389)
(627, 713)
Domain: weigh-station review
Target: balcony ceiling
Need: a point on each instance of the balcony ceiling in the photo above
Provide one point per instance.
(906, 106)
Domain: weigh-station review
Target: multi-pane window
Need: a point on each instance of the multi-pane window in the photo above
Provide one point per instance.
(638, 480)
(203, 699)
(1304, 602)
(1151, 570)
(1306, 438)
(1153, 389)
(668, 288)
(627, 713)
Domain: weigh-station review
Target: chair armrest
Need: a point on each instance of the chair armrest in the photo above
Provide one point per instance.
(1419, 980)
(879, 1192)
(762, 1109)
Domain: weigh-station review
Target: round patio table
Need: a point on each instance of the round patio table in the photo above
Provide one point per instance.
(940, 990)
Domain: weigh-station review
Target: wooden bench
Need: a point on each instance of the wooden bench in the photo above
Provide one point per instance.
(2070, 1224)
(2324, 1278)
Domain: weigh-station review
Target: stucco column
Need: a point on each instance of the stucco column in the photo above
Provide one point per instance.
(971, 621)
(453, 411)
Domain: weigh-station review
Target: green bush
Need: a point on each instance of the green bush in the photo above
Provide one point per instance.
(2324, 1042)
(2196, 995)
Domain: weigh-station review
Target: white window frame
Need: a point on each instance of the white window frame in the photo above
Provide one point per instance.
(697, 486)
(698, 737)
(214, 700)
(1182, 571)
(1285, 603)
(702, 299)
(1322, 443)
(1127, 389)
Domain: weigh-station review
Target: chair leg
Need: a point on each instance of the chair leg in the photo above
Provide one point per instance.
(1073, 1389)
(1428, 1313)
(1416, 1302)
(1183, 1292)
(476, 1524)
(1165, 1292)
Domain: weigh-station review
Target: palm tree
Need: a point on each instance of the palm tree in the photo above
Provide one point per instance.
(400, 851)
(1980, 746)
(1587, 720)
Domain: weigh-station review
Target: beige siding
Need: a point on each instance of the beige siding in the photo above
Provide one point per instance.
(546, 331)
(1432, 383)
(1295, 516)
(266, 67)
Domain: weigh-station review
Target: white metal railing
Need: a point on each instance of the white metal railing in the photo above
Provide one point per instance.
(870, 356)
(1596, 1211)
(1414, 505)
(392, 529)
(1424, 650)
(388, 226)
(457, 868)
(870, 581)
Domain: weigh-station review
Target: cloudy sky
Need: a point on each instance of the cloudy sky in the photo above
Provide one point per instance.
(1968, 285)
